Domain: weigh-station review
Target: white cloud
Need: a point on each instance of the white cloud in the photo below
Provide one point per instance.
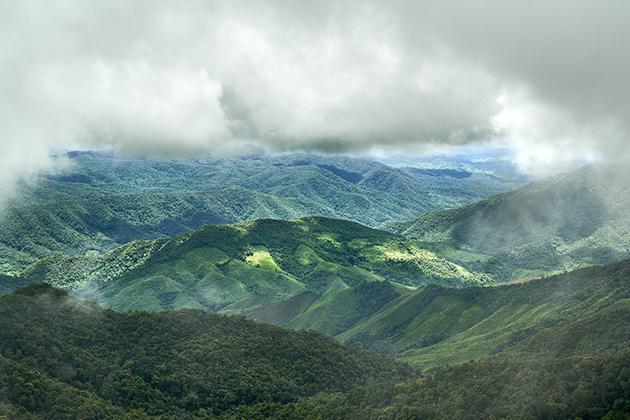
(161, 77)
(136, 108)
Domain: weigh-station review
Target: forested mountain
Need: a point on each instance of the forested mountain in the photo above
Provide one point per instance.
(559, 223)
(306, 176)
(218, 265)
(100, 202)
(66, 358)
(105, 223)
(63, 358)
(567, 388)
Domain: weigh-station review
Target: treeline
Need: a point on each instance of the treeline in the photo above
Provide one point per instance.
(574, 388)
(63, 358)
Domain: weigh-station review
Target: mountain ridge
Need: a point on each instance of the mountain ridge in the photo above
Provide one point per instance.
(61, 357)
(148, 198)
(556, 224)
(219, 265)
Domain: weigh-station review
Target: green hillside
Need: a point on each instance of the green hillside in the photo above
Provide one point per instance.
(331, 314)
(10, 283)
(100, 202)
(436, 325)
(101, 224)
(63, 358)
(66, 358)
(578, 370)
(556, 224)
(219, 265)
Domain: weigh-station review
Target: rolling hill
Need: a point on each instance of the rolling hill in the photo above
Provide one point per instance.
(66, 358)
(99, 202)
(101, 224)
(560, 223)
(437, 325)
(219, 265)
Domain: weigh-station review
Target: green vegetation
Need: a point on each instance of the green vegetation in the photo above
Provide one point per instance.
(572, 388)
(11, 283)
(560, 223)
(100, 202)
(538, 346)
(32, 232)
(63, 358)
(219, 265)
(338, 313)
(436, 326)
(578, 369)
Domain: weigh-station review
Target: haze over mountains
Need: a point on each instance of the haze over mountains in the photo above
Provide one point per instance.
(559, 223)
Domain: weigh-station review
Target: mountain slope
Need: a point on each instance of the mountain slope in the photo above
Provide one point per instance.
(568, 220)
(218, 265)
(331, 314)
(67, 358)
(99, 202)
(433, 325)
(578, 369)
(32, 232)
(436, 325)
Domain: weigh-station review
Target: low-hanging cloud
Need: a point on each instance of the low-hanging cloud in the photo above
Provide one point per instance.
(184, 78)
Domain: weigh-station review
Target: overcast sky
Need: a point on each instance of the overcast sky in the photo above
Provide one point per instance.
(550, 78)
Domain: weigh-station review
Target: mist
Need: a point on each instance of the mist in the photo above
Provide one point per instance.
(233, 78)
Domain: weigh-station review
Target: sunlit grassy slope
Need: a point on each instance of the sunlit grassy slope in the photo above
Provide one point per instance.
(219, 265)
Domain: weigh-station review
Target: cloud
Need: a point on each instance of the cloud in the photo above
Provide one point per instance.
(158, 77)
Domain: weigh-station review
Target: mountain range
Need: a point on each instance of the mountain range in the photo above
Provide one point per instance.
(99, 202)
(272, 259)
(512, 306)
(61, 357)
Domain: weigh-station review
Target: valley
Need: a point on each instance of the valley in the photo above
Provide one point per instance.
(416, 318)
(330, 210)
